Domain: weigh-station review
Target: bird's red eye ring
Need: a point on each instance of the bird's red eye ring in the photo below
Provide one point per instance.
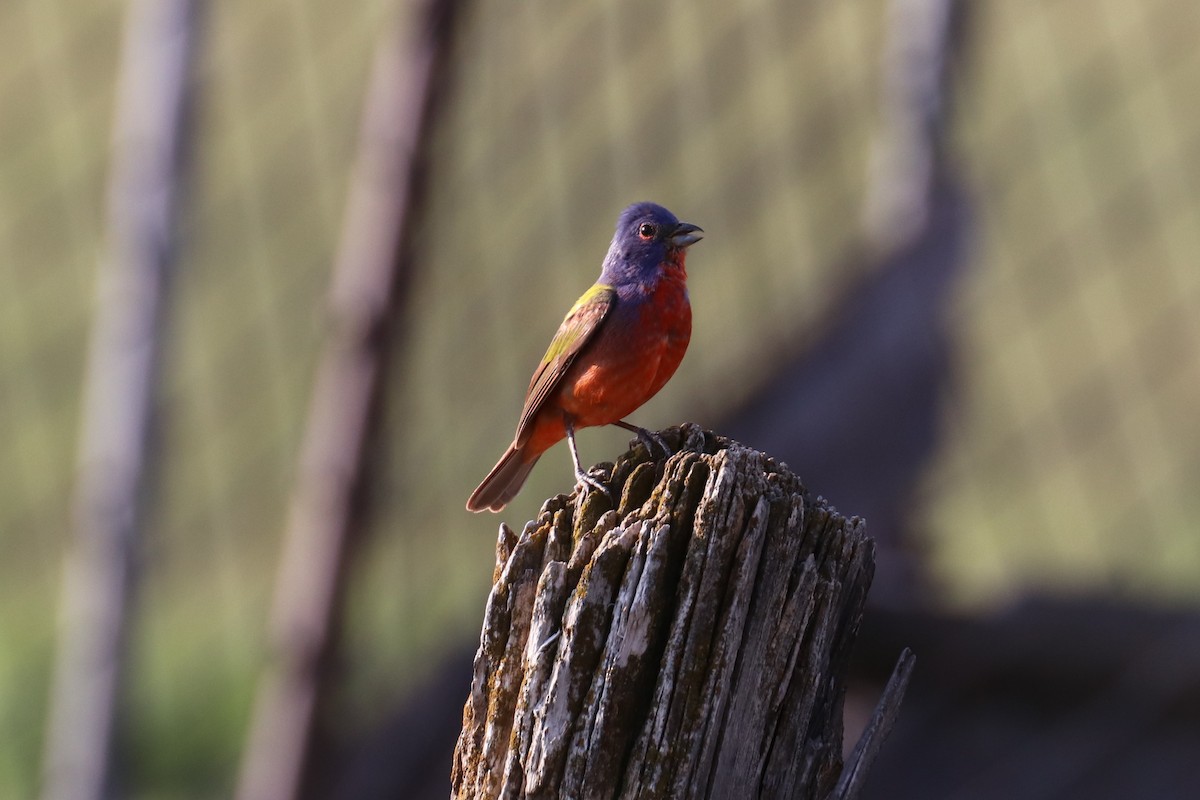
(647, 230)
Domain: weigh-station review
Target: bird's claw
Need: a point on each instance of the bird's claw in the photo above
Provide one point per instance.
(585, 481)
(651, 440)
(648, 438)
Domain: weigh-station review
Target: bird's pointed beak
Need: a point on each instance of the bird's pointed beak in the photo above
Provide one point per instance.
(686, 234)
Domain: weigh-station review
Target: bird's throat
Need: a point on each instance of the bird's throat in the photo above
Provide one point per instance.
(674, 266)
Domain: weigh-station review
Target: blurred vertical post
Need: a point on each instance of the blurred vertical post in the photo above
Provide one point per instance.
(918, 219)
(371, 272)
(144, 193)
(909, 153)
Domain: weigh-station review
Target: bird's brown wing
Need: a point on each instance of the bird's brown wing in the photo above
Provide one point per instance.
(576, 330)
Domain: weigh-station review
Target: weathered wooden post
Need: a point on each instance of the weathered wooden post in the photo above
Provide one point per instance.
(690, 642)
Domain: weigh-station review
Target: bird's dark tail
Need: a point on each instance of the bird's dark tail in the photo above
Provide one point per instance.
(503, 482)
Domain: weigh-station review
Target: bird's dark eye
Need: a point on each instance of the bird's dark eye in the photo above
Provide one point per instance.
(647, 230)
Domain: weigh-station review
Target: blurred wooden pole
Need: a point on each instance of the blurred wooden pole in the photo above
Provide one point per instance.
(369, 278)
(691, 643)
(909, 154)
(148, 161)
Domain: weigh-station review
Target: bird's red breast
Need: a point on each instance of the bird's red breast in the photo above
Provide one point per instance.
(634, 356)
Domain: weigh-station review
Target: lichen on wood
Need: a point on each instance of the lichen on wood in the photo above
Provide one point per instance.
(690, 642)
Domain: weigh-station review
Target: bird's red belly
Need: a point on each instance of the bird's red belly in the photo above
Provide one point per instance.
(625, 369)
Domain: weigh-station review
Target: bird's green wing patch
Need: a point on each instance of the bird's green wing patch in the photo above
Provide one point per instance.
(577, 328)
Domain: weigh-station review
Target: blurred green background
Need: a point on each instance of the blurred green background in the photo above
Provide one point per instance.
(1070, 456)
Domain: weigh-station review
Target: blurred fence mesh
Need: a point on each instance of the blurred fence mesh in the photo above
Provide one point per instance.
(1071, 450)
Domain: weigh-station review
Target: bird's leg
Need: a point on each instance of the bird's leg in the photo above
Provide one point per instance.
(581, 476)
(648, 438)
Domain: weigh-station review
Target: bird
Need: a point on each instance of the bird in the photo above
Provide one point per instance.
(617, 346)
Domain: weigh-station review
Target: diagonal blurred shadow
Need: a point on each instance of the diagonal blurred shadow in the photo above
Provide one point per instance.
(856, 412)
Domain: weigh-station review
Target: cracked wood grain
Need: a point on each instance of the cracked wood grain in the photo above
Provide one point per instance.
(690, 643)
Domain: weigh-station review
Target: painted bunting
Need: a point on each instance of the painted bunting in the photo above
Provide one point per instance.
(618, 345)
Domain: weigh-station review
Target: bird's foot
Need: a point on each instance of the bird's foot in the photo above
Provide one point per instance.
(648, 438)
(586, 482)
(582, 479)
(652, 440)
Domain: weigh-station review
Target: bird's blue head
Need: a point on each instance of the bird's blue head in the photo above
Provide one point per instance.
(648, 240)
